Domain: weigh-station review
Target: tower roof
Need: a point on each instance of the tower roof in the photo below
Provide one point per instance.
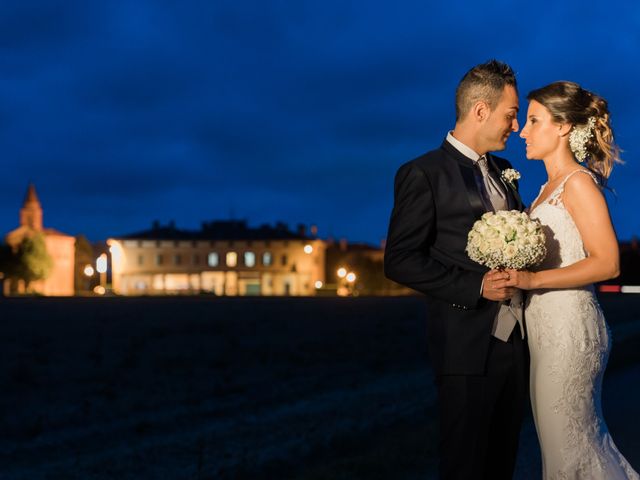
(31, 211)
(31, 197)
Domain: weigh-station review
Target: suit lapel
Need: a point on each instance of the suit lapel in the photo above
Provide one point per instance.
(468, 173)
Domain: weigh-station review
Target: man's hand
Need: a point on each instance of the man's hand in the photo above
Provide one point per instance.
(493, 286)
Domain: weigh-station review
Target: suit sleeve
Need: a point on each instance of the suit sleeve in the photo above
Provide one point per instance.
(411, 230)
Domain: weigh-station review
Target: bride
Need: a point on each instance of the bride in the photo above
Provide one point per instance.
(567, 333)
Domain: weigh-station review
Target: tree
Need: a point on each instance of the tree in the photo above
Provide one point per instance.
(32, 261)
(7, 261)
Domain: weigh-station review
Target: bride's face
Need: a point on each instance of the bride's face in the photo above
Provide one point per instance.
(542, 136)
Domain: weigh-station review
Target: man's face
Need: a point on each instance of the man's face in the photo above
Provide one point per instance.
(502, 120)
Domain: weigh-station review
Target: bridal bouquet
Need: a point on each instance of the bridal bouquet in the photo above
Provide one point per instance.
(506, 239)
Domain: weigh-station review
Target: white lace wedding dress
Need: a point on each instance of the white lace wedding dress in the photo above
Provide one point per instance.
(569, 343)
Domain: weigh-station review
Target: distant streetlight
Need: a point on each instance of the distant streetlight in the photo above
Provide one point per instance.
(101, 263)
(308, 249)
(346, 282)
(88, 270)
(101, 267)
(318, 284)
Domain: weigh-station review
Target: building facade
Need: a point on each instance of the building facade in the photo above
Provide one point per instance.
(223, 258)
(60, 247)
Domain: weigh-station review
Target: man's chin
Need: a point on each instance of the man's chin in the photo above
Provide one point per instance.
(498, 147)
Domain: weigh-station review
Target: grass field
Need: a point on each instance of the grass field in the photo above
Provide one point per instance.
(226, 388)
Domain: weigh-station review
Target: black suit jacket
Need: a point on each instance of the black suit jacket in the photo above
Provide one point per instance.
(436, 202)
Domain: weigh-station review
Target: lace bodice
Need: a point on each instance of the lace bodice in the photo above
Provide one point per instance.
(564, 243)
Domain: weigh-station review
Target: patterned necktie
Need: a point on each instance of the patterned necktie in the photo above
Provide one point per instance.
(494, 191)
(510, 312)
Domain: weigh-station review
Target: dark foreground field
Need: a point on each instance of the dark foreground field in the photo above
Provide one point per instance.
(261, 388)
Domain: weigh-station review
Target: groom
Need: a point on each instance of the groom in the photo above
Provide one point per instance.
(475, 341)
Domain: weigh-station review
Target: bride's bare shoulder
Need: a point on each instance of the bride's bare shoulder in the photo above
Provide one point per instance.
(580, 184)
(582, 192)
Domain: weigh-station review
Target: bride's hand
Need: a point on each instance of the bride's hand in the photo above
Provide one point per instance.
(521, 279)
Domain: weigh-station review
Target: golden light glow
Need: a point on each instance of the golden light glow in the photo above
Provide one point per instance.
(342, 272)
(117, 254)
(99, 289)
(342, 291)
(308, 249)
(88, 270)
(351, 277)
(318, 284)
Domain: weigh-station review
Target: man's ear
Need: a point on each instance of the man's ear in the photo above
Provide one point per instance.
(480, 111)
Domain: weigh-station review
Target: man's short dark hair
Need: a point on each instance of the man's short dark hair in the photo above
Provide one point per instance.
(484, 82)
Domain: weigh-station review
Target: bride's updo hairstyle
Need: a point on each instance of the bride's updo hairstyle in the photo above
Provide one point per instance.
(568, 102)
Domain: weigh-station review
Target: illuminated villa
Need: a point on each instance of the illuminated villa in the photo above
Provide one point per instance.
(223, 258)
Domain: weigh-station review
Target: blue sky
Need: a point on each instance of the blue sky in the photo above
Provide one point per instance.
(123, 112)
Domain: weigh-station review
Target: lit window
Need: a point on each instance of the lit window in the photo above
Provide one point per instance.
(249, 259)
(212, 260)
(266, 259)
(232, 259)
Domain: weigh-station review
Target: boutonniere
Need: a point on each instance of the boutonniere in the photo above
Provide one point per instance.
(510, 175)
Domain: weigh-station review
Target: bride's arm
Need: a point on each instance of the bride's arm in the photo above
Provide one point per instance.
(586, 205)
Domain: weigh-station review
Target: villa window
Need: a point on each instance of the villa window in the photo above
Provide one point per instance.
(232, 259)
(249, 259)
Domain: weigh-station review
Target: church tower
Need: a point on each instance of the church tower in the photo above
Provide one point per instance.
(31, 211)
(60, 246)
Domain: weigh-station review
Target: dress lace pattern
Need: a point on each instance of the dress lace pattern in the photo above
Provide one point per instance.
(569, 343)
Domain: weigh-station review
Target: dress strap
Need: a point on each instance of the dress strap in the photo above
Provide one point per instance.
(593, 177)
(554, 198)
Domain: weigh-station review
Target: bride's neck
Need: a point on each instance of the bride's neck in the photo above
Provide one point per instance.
(559, 164)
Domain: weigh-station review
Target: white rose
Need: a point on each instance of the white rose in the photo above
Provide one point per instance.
(496, 244)
(510, 250)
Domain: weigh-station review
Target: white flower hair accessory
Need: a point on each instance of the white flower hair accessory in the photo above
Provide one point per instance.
(510, 175)
(578, 139)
